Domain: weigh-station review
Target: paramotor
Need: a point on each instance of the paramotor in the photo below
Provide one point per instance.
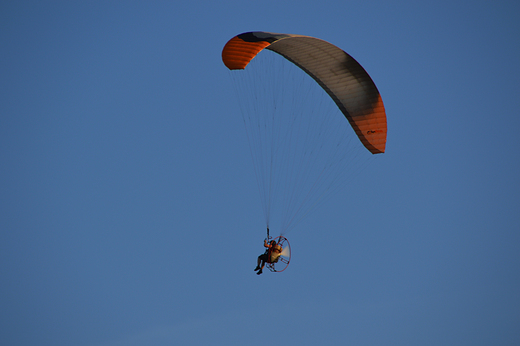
(279, 262)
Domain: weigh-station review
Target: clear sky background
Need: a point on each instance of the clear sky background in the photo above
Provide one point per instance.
(129, 211)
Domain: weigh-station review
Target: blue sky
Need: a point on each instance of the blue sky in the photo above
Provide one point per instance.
(129, 209)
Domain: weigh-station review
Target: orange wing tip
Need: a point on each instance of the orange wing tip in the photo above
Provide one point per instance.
(371, 128)
(237, 53)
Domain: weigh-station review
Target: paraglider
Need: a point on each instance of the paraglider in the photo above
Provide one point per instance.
(277, 134)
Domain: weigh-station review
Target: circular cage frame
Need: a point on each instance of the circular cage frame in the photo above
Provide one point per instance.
(283, 261)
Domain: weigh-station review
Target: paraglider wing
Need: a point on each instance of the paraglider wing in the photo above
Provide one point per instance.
(342, 77)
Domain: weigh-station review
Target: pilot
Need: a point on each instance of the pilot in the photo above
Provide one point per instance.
(271, 255)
